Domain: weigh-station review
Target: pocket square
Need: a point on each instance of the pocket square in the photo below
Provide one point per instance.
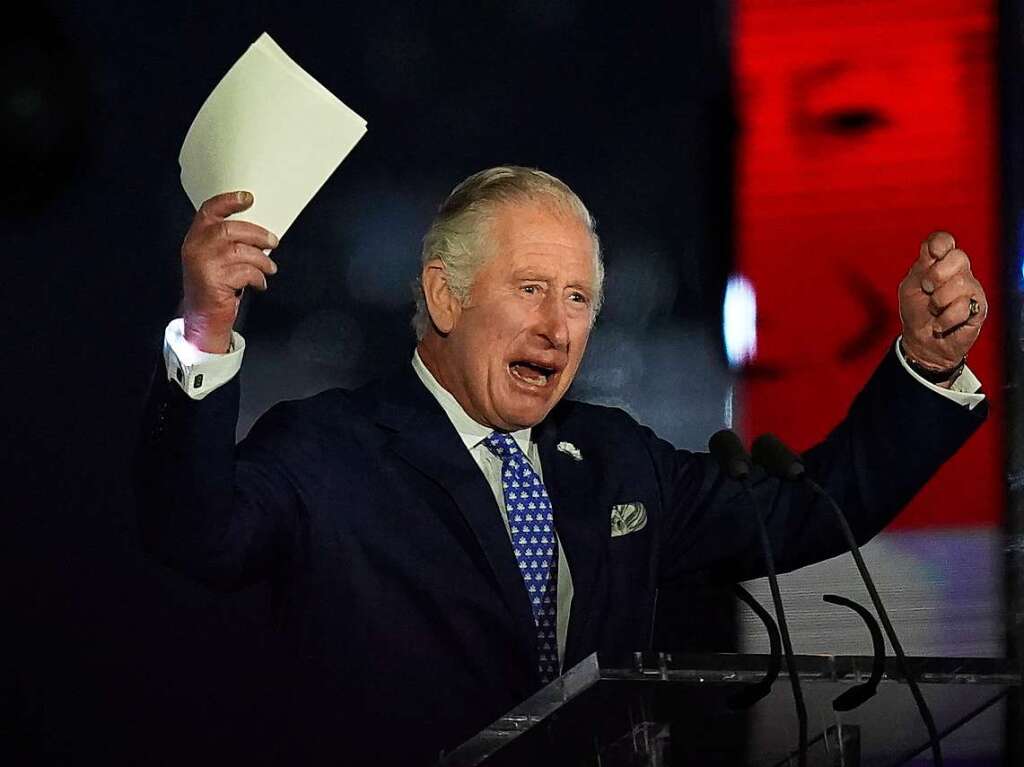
(628, 518)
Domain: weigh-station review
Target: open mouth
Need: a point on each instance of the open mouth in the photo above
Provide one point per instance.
(531, 373)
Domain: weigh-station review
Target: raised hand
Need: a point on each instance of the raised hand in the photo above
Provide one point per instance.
(942, 305)
(219, 258)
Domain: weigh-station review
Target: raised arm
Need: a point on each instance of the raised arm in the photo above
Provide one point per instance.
(203, 508)
(912, 416)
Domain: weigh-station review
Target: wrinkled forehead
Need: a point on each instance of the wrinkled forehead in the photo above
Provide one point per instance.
(543, 231)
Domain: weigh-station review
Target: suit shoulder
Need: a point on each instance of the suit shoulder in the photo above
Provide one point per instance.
(331, 409)
(326, 400)
(334, 399)
(618, 431)
(613, 422)
(570, 410)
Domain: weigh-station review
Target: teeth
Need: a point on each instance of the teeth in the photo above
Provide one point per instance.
(537, 379)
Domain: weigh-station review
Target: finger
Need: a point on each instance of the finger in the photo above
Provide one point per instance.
(940, 272)
(956, 315)
(238, 276)
(924, 259)
(223, 205)
(247, 233)
(940, 243)
(250, 256)
(959, 285)
(228, 254)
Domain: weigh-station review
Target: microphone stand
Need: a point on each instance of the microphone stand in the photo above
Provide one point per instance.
(787, 645)
(772, 453)
(752, 693)
(727, 449)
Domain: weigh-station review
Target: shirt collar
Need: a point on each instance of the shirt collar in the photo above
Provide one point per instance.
(471, 432)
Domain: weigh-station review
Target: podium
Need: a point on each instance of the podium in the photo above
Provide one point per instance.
(654, 709)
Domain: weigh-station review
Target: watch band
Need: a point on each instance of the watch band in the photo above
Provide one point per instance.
(930, 374)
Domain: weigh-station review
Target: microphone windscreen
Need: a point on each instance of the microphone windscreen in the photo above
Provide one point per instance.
(778, 460)
(727, 449)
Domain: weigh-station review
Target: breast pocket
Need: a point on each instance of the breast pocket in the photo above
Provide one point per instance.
(628, 518)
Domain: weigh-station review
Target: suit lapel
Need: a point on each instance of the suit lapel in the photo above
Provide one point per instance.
(582, 529)
(426, 439)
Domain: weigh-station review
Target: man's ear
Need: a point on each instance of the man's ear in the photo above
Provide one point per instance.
(444, 307)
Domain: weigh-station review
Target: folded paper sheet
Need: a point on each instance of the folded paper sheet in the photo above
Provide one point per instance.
(269, 128)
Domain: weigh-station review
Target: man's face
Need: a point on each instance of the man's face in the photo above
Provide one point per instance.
(517, 343)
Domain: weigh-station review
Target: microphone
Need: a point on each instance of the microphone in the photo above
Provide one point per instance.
(778, 460)
(771, 453)
(727, 449)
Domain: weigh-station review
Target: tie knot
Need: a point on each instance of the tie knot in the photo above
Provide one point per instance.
(502, 445)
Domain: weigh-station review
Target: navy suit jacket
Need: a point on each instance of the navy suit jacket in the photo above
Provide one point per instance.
(397, 595)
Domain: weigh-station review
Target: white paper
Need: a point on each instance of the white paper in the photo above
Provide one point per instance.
(271, 129)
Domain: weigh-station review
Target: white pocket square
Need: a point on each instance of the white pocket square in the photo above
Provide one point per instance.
(628, 518)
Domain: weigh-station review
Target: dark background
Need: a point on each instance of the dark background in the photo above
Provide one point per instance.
(108, 658)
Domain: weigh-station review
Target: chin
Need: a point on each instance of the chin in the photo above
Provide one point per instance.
(525, 418)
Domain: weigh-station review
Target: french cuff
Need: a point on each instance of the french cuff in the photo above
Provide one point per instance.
(197, 372)
(965, 390)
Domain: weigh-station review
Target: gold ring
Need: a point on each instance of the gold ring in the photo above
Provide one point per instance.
(973, 307)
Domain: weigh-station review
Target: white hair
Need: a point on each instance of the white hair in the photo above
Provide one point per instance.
(458, 236)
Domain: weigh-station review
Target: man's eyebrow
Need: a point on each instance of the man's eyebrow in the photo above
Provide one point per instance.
(530, 274)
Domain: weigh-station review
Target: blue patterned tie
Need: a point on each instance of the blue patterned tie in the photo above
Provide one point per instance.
(534, 543)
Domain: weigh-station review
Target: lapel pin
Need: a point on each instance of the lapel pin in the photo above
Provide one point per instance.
(570, 449)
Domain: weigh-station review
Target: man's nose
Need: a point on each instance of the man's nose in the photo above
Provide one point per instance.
(554, 321)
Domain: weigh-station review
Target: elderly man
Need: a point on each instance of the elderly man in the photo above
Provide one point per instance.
(443, 542)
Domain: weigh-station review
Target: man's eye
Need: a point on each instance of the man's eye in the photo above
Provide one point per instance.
(578, 298)
(530, 289)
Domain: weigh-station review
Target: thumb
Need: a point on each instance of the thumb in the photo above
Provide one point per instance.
(224, 205)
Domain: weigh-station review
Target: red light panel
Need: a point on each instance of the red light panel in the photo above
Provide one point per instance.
(864, 125)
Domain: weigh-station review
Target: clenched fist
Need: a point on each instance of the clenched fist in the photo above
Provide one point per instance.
(942, 305)
(218, 259)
